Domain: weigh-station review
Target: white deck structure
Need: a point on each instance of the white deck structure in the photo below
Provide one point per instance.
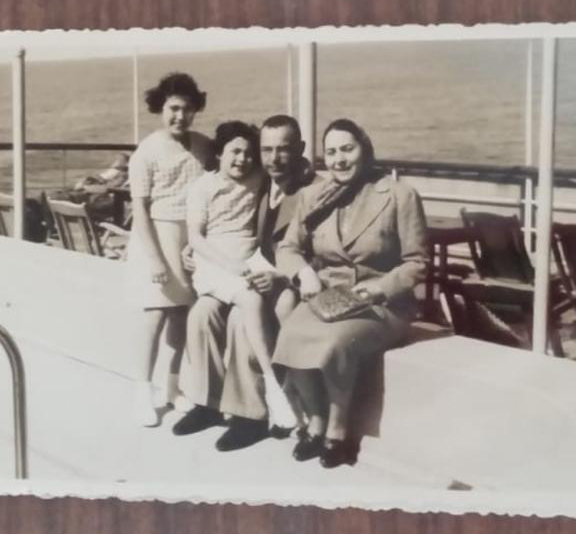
(457, 412)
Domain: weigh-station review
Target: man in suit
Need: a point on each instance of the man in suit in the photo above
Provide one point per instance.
(219, 372)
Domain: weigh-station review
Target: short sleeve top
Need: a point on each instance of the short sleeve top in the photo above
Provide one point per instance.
(220, 205)
(161, 168)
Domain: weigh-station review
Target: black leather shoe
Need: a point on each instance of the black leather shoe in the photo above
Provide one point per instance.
(278, 432)
(308, 447)
(242, 433)
(338, 452)
(197, 419)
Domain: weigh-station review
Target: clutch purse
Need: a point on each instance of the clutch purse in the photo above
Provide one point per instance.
(338, 303)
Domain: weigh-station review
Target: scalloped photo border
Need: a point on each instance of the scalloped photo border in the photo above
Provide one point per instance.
(117, 42)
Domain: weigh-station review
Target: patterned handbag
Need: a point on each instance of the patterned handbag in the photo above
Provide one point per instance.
(338, 303)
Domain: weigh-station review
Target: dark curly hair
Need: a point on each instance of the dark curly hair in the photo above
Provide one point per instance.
(347, 125)
(175, 84)
(228, 131)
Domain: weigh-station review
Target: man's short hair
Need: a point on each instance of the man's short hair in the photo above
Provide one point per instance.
(278, 121)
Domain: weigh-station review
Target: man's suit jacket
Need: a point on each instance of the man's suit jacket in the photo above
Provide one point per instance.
(271, 224)
(385, 240)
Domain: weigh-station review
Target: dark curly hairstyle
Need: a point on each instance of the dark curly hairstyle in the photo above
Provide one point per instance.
(347, 125)
(228, 131)
(175, 84)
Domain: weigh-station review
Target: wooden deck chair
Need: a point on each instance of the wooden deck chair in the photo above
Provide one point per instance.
(464, 306)
(506, 273)
(78, 231)
(35, 223)
(6, 213)
(497, 246)
(564, 252)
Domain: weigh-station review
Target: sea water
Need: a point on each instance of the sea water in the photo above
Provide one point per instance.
(434, 101)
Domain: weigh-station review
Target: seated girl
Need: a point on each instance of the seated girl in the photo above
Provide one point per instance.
(221, 228)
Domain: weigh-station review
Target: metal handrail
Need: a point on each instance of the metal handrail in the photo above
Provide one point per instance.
(19, 403)
(73, 146)
(524, 176)
(473, 171)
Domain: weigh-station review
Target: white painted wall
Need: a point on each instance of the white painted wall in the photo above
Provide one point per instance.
(71, 303)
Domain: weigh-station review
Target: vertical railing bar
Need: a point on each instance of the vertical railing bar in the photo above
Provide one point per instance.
(528, 211)
(307, 98)
(290, 80)
(135, 98)
(545, 196)
(19, 141)
(64, 168)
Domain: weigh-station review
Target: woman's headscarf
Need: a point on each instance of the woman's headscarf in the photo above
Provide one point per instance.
(333, 193)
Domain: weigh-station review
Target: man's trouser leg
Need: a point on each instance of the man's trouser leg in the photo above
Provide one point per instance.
(243, 391)
(202, 372)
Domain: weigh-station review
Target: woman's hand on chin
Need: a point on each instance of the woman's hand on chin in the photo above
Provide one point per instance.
(310, 283)
(369, 290)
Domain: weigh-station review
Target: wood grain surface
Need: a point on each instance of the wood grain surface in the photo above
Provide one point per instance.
(101, 14)
(30, 515)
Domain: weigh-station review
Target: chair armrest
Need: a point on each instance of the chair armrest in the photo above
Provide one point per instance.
(499, 291)
(114, 229)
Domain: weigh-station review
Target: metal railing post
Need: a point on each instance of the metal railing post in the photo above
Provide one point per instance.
(545, 197)
(64, 161)
(135, 98)
(19, 403)
(307, 98)
(19, 141)
(528, 206)
(290, 62)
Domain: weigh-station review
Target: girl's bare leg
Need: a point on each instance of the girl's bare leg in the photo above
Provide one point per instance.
(252, 307)
(285, 304)
(176, 341)
(152, 324)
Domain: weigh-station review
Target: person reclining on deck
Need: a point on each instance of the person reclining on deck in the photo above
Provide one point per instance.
(94, 190)
(216, 333)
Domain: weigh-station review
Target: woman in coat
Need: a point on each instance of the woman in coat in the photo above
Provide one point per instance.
(363, 231)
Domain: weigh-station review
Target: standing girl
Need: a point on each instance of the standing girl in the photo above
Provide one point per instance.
(160, 170)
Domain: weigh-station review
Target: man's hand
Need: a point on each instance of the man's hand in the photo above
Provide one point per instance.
(187, 259)
(262, 281)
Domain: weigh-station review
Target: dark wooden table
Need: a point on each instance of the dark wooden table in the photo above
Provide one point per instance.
(442, 232)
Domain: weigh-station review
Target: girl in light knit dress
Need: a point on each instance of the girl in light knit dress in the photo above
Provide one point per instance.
(159, 172)
(222, 209)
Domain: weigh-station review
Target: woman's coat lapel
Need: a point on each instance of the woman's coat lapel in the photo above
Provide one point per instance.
(373, 199)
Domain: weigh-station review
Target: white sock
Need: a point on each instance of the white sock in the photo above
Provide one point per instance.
(144, 411)
(281, 412)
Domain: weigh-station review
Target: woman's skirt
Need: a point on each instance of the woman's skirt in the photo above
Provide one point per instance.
(177, 291)
(307, 342)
